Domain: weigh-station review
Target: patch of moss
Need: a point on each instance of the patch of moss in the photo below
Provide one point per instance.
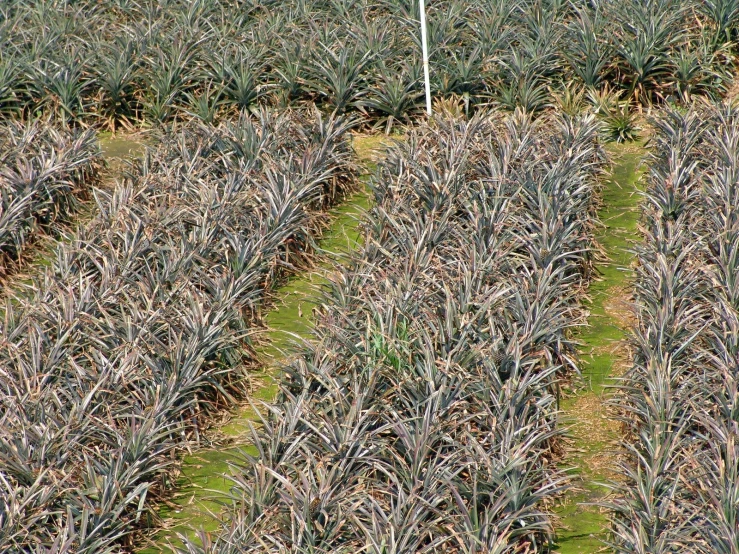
(121, 147)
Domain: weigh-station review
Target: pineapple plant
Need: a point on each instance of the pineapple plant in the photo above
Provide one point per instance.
(44, 170)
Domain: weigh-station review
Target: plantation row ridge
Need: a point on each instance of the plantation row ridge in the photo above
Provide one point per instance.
(45, 172)
(209, 474)
(680, 398)
(257, 298)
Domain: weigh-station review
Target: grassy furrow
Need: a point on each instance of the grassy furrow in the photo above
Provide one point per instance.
(603, 355)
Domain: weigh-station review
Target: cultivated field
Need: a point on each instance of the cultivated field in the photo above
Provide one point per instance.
(255, 299)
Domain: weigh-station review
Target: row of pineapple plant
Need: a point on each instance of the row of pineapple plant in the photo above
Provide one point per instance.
(422, 417)
(45, 171)
(112, 357)
(111, 63)
(680, 400)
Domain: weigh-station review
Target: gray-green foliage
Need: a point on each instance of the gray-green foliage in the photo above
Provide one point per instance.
(680, 399)
(111, 357)
(43, 170)
(114, 63)
(423, 416)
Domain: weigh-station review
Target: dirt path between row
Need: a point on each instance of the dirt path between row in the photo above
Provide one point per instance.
(592, 447)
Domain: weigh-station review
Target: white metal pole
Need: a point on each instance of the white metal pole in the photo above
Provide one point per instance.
(425, 48)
